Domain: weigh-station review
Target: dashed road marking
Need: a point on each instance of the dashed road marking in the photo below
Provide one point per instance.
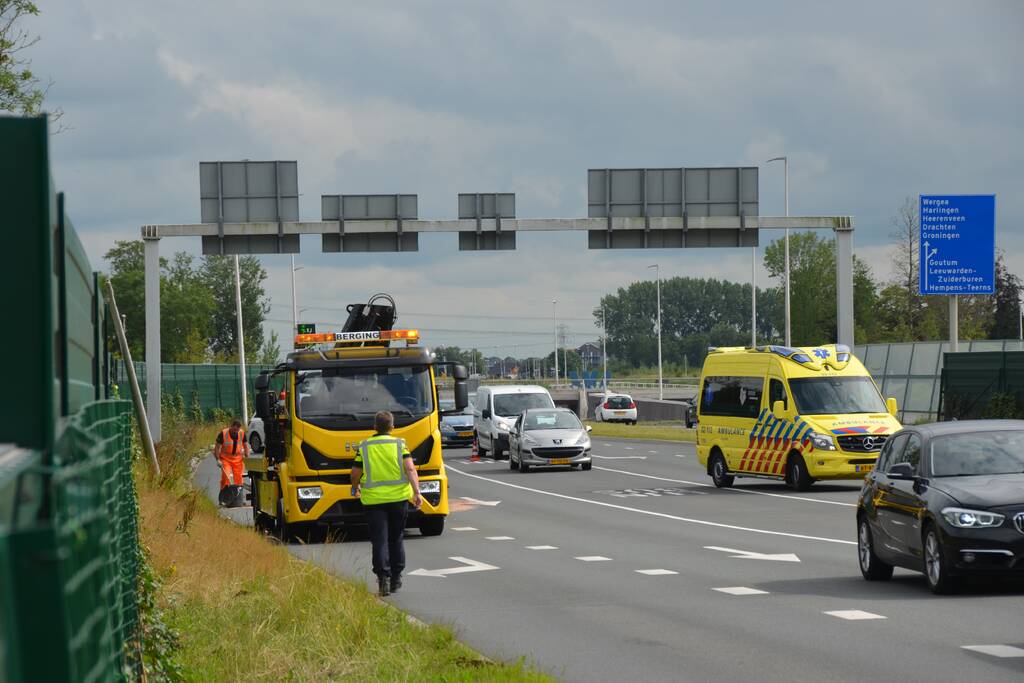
(464, 528)
(655, 572)
(680, 455)
(620, 457)
(652, 451)
(500, 538)
(854, 614)
(627, 448)
(652, 513)
(594, 558)
(740, 590)
(542, 547)
(1001, 651)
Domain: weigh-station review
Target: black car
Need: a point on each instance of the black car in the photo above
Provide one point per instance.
(945, 499)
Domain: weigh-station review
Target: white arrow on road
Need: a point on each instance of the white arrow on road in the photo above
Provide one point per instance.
(468, 566)
(488, 503)
(749, 555)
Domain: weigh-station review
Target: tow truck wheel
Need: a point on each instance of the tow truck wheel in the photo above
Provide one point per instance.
(282, 529)
(432, 526)
(797, 476)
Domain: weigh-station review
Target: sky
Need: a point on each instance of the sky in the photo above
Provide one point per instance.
(872, 102)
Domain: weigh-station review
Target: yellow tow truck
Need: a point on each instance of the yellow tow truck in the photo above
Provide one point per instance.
(318, 406)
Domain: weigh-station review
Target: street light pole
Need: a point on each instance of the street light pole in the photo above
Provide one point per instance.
(295, 306)
(604, 350)
(657, 276)
(753, 296)
(785, 171)
(554, 332)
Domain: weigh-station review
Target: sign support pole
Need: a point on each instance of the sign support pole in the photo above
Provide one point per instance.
(954, 323)
(153, 383)
(244, 414)
(844, 285)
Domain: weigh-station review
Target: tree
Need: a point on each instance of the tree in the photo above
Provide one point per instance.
(1005, 321)
(20, 90)
(218, 275)
(813, 290)
(271, 351)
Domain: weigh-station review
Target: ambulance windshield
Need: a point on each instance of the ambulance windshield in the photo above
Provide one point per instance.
(836, 395)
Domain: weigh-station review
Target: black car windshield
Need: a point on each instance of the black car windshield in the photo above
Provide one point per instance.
(963, 455)
(355, 393)
(551, 419)
(510, 405)
(836, 395)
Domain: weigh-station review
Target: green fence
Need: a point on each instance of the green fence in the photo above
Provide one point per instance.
(69, 548)
(213, 386)
(983, 385)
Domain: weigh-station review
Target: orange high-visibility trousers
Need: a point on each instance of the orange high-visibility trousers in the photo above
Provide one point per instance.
(231, 468)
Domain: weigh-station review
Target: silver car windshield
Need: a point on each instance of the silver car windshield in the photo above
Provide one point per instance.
(555, 419)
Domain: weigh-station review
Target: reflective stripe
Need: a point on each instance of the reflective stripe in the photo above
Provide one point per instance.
(364, 451)
(225, 436)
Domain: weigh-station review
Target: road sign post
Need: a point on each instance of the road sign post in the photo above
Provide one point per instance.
(957, 249)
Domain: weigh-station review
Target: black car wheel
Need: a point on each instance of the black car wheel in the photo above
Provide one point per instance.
(797, 476)
(720, 472)
(936, 571)
(871, 566)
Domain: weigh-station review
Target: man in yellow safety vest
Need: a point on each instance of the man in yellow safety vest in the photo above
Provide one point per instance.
(384, 477)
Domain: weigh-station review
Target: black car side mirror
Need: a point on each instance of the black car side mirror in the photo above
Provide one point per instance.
(901, 470)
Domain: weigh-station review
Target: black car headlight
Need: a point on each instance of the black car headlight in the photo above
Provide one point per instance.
(963, 518)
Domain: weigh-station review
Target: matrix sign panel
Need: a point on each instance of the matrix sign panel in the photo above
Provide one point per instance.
(491, 207)
(356, 207)
(957, 244)
(249, 192)
(672, 192)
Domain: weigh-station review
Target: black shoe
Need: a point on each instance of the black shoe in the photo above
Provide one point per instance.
(396, 583)
(383, 586)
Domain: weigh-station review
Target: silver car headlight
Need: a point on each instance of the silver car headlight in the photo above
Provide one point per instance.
(310, 493)
(529, 441)
(583, 440)
(971, 519)
(823, 442)
(430, 487)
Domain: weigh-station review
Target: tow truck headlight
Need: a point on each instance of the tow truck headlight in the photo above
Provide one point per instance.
(971, 519)
(823, 442)
(310, 493)
(430, 487)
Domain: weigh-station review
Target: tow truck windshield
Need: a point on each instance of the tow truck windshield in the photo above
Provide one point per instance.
(339, 397)
(836, 395)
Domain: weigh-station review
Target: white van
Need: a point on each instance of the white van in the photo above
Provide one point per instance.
(495, 411)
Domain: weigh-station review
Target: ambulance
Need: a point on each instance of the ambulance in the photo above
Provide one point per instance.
(798, 415)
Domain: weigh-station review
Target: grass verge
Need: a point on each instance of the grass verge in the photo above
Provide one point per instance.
(244, 609)
(656, 431)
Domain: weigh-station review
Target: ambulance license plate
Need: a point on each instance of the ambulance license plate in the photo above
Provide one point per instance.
(863, 468)
(465, 433)
(559, 461)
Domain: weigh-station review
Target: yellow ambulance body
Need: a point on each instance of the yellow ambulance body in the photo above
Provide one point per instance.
(796, 414)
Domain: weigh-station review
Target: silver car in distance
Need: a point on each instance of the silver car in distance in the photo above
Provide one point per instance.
(549, 437)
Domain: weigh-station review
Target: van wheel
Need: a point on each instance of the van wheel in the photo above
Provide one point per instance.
(797, 476)
(481, 451)
(720, 472)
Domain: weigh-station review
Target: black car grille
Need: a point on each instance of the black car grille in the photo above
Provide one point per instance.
(862, 443)
(558, 452)
(1018, 521)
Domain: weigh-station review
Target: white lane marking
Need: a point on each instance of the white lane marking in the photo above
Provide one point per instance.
(621, 457)
(464, 528)
(854, 614)
(749, 555)
(680, 455)
(594, 558)
(488, 503)
(542, 547)
(627, 448)
(468, 566)
(500, 538)
(652, 513)
(1001, 651)
(652, 451)
(655, 572)
(740, 590)
(733, 490)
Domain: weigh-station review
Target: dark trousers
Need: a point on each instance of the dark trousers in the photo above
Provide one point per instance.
(387, 529)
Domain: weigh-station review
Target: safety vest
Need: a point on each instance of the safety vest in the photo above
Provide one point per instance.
(236, 443)
(384, 479)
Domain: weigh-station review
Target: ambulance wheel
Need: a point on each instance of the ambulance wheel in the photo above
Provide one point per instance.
(432, 526)
(797, 476)
(720, 472)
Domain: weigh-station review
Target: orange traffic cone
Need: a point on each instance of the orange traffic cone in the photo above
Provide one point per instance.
(475, 457)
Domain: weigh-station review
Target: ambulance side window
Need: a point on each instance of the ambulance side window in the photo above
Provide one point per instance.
(777, 392)
(731, 396)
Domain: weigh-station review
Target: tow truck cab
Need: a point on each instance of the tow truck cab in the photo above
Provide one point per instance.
(319, 405)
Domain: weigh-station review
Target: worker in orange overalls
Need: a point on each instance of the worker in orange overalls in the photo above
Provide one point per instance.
(230, 452)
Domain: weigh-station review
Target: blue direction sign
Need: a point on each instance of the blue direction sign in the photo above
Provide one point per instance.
(958, 244)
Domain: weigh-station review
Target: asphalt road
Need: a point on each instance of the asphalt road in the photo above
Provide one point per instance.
(640, 570)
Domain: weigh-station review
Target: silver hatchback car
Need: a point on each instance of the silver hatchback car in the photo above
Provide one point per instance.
(549, 437)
